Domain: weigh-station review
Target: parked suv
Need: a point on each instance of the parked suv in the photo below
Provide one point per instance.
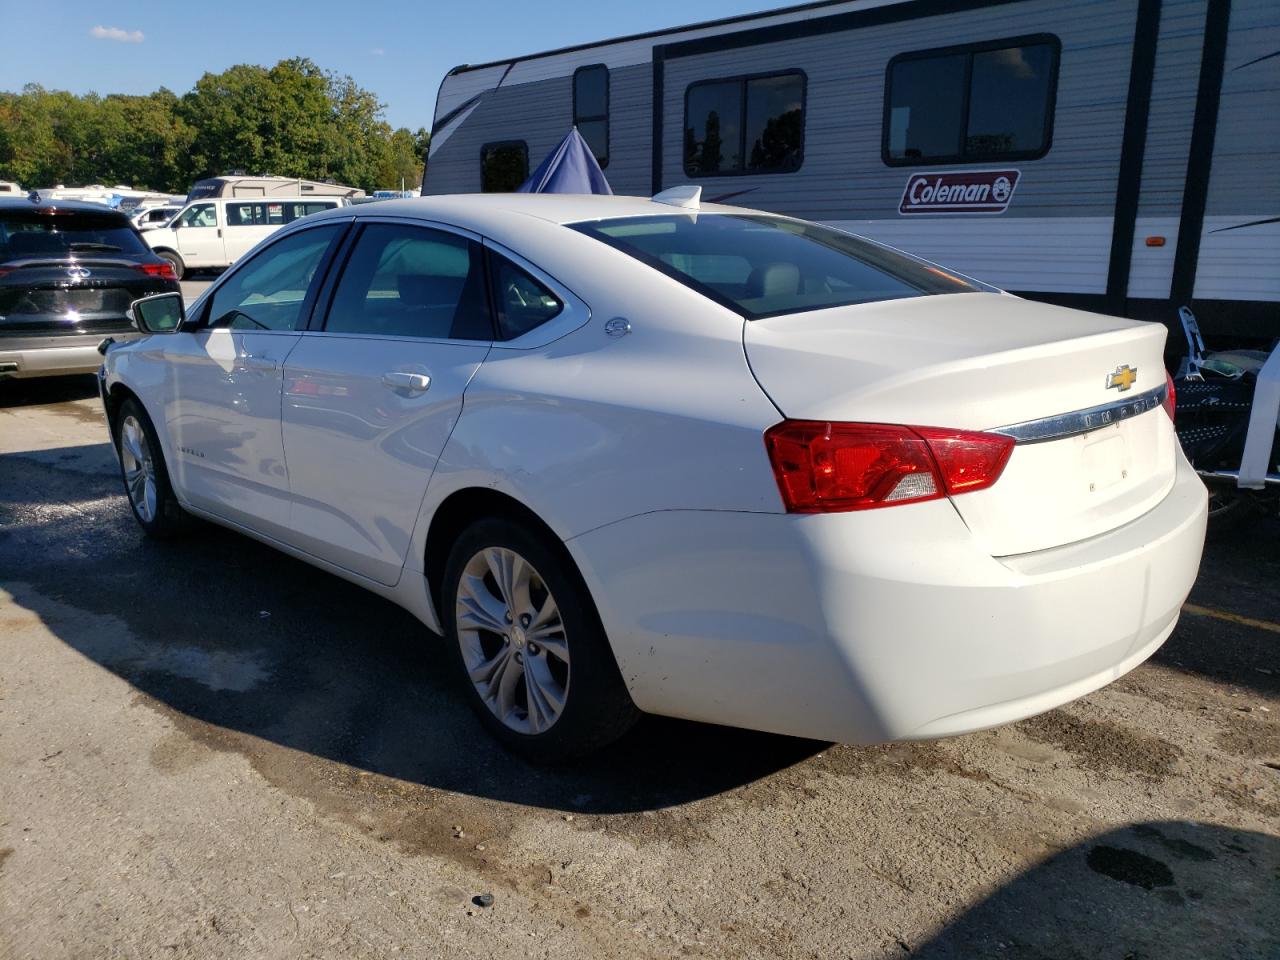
(216, 232)
(68, 272)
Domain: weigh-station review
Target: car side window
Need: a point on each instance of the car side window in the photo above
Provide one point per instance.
(406, 281)
(522, 302)
(268, 291)
(200, 215)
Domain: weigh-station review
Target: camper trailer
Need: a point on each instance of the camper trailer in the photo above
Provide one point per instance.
(236, 185)
(1115, 155)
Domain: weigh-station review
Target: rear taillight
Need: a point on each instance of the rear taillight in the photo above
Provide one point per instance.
(1170, 402)
(832, 467)
(164, 269)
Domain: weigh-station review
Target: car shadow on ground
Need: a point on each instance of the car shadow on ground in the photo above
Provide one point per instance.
(46, 390)
(233, 633)
(1151, 891)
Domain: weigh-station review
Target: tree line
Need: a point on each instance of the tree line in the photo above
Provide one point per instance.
(293, 119)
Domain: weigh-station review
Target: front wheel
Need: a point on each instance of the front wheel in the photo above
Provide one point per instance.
(529, 645)
(146, 479)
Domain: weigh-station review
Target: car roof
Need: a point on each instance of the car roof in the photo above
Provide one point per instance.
(560, 208)
(62, 206)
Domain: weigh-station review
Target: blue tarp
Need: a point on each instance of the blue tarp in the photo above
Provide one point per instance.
(569, 168)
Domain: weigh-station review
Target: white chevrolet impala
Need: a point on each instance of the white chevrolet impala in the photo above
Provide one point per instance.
(644, 455)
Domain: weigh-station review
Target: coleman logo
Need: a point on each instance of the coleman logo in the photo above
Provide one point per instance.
(959, 191)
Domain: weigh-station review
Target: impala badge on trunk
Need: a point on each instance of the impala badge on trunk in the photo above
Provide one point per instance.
(1123, 378)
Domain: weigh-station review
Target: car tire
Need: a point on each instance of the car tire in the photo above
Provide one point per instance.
(175, 261)
(145, 476)
(518, 660)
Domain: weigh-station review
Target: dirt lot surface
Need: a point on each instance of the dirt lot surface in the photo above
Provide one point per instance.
(210, 750)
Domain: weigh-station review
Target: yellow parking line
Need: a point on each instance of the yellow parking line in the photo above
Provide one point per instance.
(1231, 617)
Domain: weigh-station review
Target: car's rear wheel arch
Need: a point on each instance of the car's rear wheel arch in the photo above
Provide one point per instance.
(464, 507)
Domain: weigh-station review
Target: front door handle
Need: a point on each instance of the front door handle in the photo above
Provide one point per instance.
(410, 383)
(264, 364)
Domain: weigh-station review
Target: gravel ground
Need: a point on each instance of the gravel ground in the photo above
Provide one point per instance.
(208, 750)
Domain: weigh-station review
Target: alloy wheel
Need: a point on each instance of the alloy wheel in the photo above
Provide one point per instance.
(513, 640)
(139, 468)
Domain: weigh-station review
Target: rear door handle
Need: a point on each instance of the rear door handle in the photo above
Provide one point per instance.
(259, 363)
(408, 382)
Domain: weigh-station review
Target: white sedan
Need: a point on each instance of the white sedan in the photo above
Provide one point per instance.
(644, 455)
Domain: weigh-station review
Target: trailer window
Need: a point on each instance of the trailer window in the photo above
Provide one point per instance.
(744, 125)
(503, 166)
(972, 104)
(591, 109)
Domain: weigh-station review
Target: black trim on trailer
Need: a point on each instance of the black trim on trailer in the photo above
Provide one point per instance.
(1251, 223)
(836, 22)
(963, 157)
(743, 79)
(650, 34)
(659, 68)
(448, 117)
(1200, 160)
(1133, 146)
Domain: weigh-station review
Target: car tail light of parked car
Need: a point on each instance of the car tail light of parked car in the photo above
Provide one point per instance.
(164, 270)
(834, 467)
(1170, 401)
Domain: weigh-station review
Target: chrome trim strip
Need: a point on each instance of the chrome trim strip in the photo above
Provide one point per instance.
(1083, 421)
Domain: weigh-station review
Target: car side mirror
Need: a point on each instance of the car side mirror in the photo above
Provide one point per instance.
(162, 313)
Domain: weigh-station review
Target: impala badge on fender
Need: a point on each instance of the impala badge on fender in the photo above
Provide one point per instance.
(1123, 378)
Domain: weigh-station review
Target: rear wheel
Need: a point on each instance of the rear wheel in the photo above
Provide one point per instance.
(146, 479)
(175, 261)
(528, 642)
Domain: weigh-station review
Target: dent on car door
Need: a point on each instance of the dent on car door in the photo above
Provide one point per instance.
(371, 399)
(223, 405)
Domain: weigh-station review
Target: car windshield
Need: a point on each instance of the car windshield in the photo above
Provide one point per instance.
(762, 266)
(36, 234)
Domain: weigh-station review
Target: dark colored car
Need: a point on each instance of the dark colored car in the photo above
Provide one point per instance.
(68, 272)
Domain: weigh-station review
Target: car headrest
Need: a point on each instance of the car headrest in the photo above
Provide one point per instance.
(774, 280)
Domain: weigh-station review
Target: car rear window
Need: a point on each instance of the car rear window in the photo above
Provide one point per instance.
(26, 235)
(763, 266)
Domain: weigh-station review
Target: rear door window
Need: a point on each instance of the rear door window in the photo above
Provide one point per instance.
(521, 301)
(406, 281)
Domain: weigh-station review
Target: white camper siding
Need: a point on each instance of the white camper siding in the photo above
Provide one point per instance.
(630, 169)
(458, 88)
(1239, 250)
(1056, 234)
(1164, 164)
(540, 114)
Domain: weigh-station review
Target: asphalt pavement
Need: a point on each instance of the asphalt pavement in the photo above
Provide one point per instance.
(208, 749)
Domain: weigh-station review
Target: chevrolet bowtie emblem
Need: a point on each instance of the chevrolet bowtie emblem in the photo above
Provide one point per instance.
(1123, 378)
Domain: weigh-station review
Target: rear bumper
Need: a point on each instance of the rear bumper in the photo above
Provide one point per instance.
(884, 624)
(54, 356)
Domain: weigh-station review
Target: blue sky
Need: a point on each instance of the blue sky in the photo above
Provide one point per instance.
(398, 49)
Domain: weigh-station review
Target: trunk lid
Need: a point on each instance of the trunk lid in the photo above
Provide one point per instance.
(981, 361)
(51, 296)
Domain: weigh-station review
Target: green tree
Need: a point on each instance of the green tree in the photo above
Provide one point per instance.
(293, 119)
